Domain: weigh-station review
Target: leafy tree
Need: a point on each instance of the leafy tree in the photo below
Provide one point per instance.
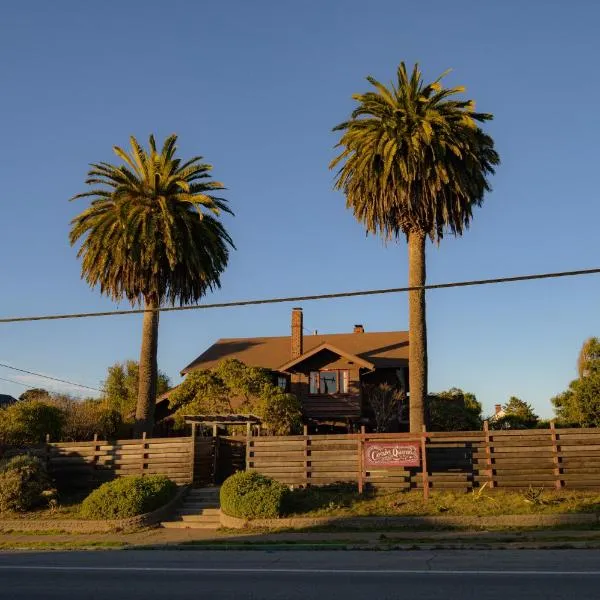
(122, 384)
(384, 400)
(35, 394)
(414, 162)
(579, 405)
(200, 393)
(518, 414)
(588, 361)
(27, 423)
(454, 410)
(151, 235)
(211, 392)
(82, 419)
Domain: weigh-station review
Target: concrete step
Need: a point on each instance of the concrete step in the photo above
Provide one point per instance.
(203, 497)
(190, 510)
(188, 525)
(200, 505)
(206, 490)
(215, 519)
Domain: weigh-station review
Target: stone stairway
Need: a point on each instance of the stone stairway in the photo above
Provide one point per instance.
(199, 510)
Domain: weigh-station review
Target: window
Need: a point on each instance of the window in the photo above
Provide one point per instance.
(329, 382)
(282, 382)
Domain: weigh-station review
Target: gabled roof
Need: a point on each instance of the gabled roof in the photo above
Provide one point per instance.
(385, 349)
(326, 346)
(6, 400)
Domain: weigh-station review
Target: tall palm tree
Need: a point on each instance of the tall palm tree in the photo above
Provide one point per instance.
(151, 235)
(414, 162)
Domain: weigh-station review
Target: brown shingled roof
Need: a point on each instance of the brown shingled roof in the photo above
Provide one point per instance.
(383, 349)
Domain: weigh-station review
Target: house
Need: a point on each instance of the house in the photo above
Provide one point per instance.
(6, 400)
(325, 371)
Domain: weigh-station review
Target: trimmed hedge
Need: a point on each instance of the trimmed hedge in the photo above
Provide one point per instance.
(250, 495)
(128, 497)
(24, 483)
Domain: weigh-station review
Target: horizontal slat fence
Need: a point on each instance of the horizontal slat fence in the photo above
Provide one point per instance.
(87, 464)
(461, 461)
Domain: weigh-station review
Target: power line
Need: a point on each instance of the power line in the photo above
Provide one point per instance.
(434, 286)
(31, 387)
(87, 387)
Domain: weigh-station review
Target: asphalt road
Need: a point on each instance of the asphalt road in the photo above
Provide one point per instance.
(291, 575)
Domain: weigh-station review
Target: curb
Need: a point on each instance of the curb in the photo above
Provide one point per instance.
(95, 526)
(411, 522)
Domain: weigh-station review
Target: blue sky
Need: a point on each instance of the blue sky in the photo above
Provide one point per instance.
(255, 87)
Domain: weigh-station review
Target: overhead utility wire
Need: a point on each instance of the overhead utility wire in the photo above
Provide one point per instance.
(87, 387)
(434, 286)
(31, 387)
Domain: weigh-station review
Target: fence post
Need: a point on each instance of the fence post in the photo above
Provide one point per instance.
(248, 445)
(47, 455)
(424, 467)
(215, 453)
(361, 465)
(306, 455)
(193, 455)
(488, 454)
(555, 456)
(144, 448)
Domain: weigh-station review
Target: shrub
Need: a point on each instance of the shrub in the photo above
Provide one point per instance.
(128, 497)
(24, 483)
(27, 423)
(250, 495)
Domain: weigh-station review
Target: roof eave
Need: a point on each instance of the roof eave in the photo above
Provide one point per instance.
(326, 346)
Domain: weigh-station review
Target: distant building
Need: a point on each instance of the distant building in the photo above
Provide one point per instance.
(6, 400)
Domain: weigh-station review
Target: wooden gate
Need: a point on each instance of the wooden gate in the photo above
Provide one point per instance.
(230, 456)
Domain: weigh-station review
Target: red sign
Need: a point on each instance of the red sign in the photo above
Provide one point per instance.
(392, 454)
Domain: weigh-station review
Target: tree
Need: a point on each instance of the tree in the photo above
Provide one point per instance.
(414, 162)
(518, 414)
(151, 235)
(27, 423)
(579, 405)
(210, 392)
(588, 361)
(82, 419)
(122, 384)
(384, 400)
(454, 410)
(35, 394)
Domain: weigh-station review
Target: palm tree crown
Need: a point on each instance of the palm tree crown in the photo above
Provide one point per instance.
(151, 235)
(414, 161)
(151, 229)
(413, 158)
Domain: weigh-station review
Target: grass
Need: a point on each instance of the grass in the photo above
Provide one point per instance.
(66, 507)
(344, 501)
(69, 545)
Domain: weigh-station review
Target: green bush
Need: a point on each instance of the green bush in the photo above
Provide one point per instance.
(128, 497)
(250, 495)
(27, 423)
(24, 483)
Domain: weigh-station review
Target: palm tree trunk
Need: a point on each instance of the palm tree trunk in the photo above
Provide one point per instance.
(148, 373)
(417, 332)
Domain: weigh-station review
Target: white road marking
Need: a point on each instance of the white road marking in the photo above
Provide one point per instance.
(291, 570)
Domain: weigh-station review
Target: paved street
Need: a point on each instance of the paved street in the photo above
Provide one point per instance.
(134, 575)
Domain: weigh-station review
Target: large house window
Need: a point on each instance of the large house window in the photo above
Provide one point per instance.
(329, 382)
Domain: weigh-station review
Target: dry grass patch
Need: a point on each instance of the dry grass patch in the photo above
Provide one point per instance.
(345, 502)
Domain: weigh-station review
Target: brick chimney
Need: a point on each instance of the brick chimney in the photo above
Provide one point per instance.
(297, 335)
(498, 408)
(359, 329)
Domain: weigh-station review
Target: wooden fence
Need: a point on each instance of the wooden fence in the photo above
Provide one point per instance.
(85, 464)
(559, 458)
